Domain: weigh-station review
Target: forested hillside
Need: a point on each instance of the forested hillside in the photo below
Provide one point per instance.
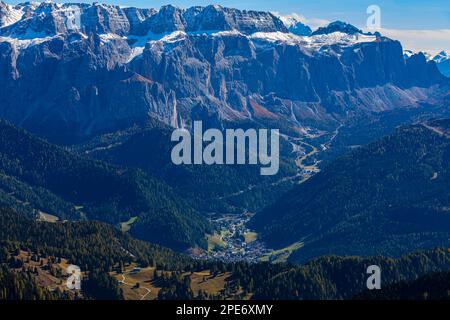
(344, 277)
(101, 250)
(91, 245)
(223, 188)
(97, 248)
(434, 286)
(21, 286)
(389, 197)
(35, 175)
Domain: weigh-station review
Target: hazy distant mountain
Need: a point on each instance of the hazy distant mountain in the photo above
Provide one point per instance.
(442, 60)
(441, 57)
(67, 80)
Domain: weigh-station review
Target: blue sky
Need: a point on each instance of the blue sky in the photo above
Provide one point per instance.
(422, 25)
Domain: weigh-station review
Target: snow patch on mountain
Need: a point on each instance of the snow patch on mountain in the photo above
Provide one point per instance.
(441, 57)
(338, 38)
(106, 37)
(20, 44)
(315, 43)
(287, 38)
(408, 54)
(442, 60)
(295, 24)
(28, 40)
(135, 52)
(9, 14)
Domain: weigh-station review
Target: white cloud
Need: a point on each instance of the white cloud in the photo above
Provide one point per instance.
(431, 41)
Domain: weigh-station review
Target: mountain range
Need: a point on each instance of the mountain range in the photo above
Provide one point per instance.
(114, 66)
(442, 60)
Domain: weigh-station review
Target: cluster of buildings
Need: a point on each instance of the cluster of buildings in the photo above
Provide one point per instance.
(233, 233)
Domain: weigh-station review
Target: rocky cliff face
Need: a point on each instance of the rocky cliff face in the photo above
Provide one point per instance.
(80, 69)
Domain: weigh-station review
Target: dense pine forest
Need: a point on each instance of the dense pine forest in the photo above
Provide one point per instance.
(206, 188)
(100, 249)
(21, 286)
(36, 175)
(91, 245)
(434, 286)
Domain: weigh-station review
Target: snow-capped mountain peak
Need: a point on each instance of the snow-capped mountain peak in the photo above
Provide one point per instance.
(9, 14)
(338, 26)
(294, 23)
(441, 57)
(118, 65)
(442, 60)
(408, 53)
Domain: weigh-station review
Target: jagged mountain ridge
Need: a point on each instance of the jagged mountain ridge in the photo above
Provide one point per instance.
(53, 18)
(338, 26)
(118, 66)
(442, 60)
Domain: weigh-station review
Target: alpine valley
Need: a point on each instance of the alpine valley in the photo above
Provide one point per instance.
(91, 93)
